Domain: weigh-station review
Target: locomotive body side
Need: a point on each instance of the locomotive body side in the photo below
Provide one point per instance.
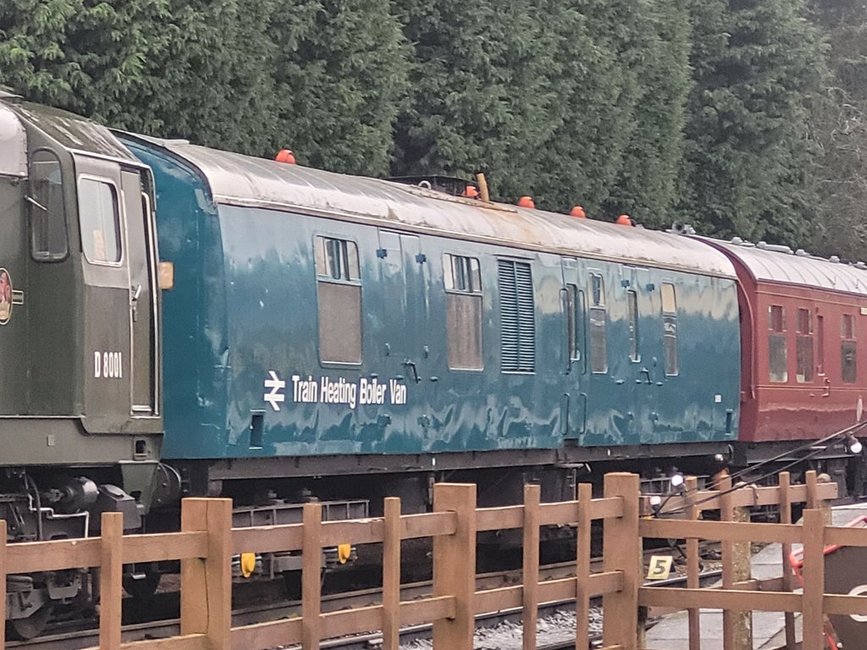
(361, 327)
(80, 366)
(80, 412)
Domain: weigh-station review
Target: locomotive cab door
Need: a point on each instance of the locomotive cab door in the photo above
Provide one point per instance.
(118, 309)
(142, 299)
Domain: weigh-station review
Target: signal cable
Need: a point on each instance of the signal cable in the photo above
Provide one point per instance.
(843, 432)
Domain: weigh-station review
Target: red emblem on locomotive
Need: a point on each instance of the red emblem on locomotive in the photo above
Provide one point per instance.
(5, 297)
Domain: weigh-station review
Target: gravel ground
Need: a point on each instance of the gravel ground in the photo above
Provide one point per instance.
(507, 636)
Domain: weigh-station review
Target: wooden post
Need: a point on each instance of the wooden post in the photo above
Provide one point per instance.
(311, 577)
(391, 575)
(692, 564)
(454, 566)
(812, 483)
(622, 552)
(206, 583)
(111, 580)
(824, 504)
(530, 576)
(814, 579)
(737, 626)
(786, 518)
(582, 569)
(3, 582)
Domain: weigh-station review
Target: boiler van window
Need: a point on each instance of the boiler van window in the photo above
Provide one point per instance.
(338, 280)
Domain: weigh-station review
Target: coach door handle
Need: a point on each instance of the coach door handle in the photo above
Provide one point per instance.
(827, 392)
(411, 365)
(136, 293)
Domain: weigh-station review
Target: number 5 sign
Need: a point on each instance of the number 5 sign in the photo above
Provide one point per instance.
(659, 567)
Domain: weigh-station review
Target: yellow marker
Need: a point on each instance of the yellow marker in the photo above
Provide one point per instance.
(660, 567)
(248, 564)
(344, 552)
(166, 275)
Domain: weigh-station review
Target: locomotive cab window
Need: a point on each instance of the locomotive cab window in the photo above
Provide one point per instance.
(338, 280)
(778, 372)
(848, 349)
(100, 221)
(804, 347)
(598, 319)
(517, 317)
(47, 211)
(462, 280)
(669, 329)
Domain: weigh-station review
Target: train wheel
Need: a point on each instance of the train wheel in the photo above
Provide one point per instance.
(28, 628)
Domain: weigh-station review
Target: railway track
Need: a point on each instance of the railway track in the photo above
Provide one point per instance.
(68, 637)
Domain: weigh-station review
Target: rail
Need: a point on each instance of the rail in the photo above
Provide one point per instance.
(207, 543)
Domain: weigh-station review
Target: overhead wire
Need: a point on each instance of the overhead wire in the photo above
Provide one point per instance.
(811, 445)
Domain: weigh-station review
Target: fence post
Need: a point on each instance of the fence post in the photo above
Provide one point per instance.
(737, 626)
(813, 501)
(582, 569)
(622, 552)
(311, 577)
(206, 583)
(454, 566)
(814, 579)
(110, 580)
(786, 518)
(391, 575)
(692, 564)
(530, 576)
(812, 482)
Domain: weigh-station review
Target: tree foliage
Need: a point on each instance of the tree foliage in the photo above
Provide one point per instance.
(479, 88)
(839, 121)
(740, 116)
(754, 68)
(647, 183)
(341, 74)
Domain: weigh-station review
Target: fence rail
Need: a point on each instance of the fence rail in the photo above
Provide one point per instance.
(207, 543)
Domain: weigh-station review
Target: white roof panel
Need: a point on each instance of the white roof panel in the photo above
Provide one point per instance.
(768, 265)
(243, 180)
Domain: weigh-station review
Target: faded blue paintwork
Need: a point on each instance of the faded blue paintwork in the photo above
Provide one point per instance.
(245, 304)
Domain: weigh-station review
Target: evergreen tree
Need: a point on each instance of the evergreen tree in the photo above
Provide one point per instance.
(647, 185)
(839, 121)
(755, 64)
(341, 74)
(79, 55)
(480, 92)
(592, 113)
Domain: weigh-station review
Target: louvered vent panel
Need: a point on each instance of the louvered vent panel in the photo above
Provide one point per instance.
(517, 317)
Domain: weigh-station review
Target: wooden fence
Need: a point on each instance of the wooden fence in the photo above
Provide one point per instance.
(207, 543)
(740, 593)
